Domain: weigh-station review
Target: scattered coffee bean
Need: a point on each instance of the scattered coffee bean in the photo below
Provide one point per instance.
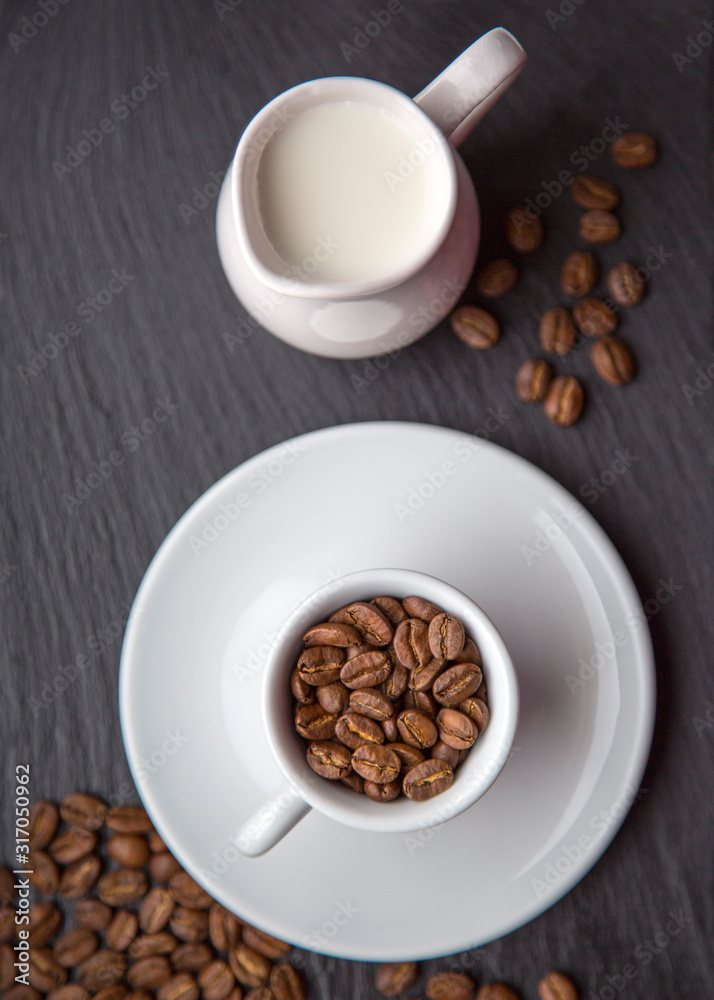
(149, 973)
(215, 980)
(532, 380)
(128, 850)
(190, 957)
(103, 968)
(287, 983)
(613, 360)
(393, 978)
(162, 866)
(598, 226)
(497, 278)
(45, 921)
(156, 910)
(477, 328)
(557, 331)
(496, 991)
(189, 925)
(45, 973)
(594, 318)
(44, 820)
(122, 930)
(86, 811)
(122, 887)
(450, 986)
(161, 943)
(129, 819)
(579, 273)
(44, 875)
(72, 947)
(7, 886)
(625, 284)
(633, 150)
(265, 944)
(92, 914)
(70, 991)
(187, 892)
(223, 928)
(523, 230)
(564, 400)
(72, 844)
(248, 966)
(594, 192)
(179, 987)
(77, 879)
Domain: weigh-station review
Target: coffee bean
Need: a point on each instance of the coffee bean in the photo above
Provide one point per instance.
(370, 622)
(393, 978)
(122, 930)
(579, 273)
(625, 284)
(265, 944)
(557, 331)
(470, 653)
(45, 973)
(191, 957)
(103, 968)
(187, 892)
(422, 677)
(156, 910)
(417, 607)
(45, 921)
(496, 991)
(74, 946)
(320, 665)
(427, 779)
(73, 844)
(442, 751)
(189, 925)
(411, 643)
(564, 400)
(129, 819)
(44, 820)
(303, 692)
(523, 230)
(556, 986)
(287, 983)
(390, 729)
(373, 704)
(248, 966)
(633, 150)
(356, 730)
(223, 928)
(86, 811)
(476, 327)
(332, 634)
(163, 866)
(497, 278)
(376, 763)
(396, 684)
(329, 760)
(149, 973)
(417, 729)
(422, 701)
(179, 987)
(363, 647)
(7, 886)
(70, 991)
(599, 226)
(7, 966)
(450, 986)
(385, 792)
(366, 669)
(532, 380)
(216, 980)
(45, 874)
(353, 781)
(594, 318)
(314, 723)
(259, 993)
(92, 914)
(446, 636)
(334, 698)
(122, 887)
(481, 693)
(21, 992)
(457, 683)
(77, 879)
(391, 608)
(594, 192)
(7, 923)
(128, 850)
(456, 729)
(477, 710)
(613, 360)
(408, 755)
(161, 943)
(116, 992)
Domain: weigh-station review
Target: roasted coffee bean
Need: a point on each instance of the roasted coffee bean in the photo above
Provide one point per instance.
(21, 992)
(557, 331)
(70, 991)
(396, 684)
(391, 608)
(481, 693)
(7, 886)
(579, 273)
(7, 966)
(408, 755)
(334, 698)
(427, 779)
(594, 318)
(422, 701)
(457, 683)
(367, 701)
(287, 983)
(248, 966)
(366, 669)
(216, 980)
(594, 192)
(103, 968)
(625, 284)
(259, 993)
(411, 643)
(496, 991)
(633, 150)
(376, 763)
(370, 622)
(303, 692)
(163, 866)
(613, 360)
(156, 844)
(45, 921)
(73, 844)
(442, 751)
(128, 850)
(7, 923)
(191, 957)
(353, 781)
(390, 728)
(385, 792)
(598, 226)
(162, 943)
(116, 992)
(77, 879)
(122, 930)
(223, 928)
(446, 636)
(456, 729)
(417, 729)
(450, 986)
(332, 634)
(421, 678)
(470, 653)
(497, 278)
(321, 664)
(523, 230)
(417, 607)
(564, 400)
(357, 730)
(314, 723)
(476, 327)
(149, 973)
(187, 892)
(532, 380)
(86, 811)
(43, 873)
(74, 946)
(264, 944)
(129, 819)
(393, 978)
(156, 909)
(329, 760)
(122, 887)
(556, 986)
(45, 973)
(363, 647)
(179, 987)
(189, 925)
(44, 820)
(477, 710)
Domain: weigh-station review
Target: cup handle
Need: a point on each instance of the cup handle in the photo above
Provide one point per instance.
(469, 87)
(271, 822)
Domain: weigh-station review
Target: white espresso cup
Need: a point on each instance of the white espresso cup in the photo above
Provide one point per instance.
(304, 790)
(347, 224)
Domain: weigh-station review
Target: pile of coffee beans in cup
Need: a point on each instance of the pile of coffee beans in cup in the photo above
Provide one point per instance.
(389, 696)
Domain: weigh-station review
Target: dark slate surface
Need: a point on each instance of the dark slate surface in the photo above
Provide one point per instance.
(69, 575)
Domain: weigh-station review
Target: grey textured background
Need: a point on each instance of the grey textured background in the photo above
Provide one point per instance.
(68, 576)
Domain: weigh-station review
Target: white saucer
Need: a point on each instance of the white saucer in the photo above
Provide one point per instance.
(332, 502)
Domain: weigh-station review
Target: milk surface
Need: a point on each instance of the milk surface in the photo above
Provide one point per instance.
(344, 192)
